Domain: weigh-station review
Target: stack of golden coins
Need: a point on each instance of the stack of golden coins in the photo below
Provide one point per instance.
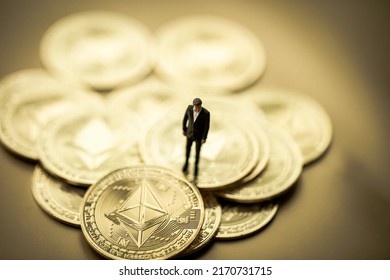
(101, 120)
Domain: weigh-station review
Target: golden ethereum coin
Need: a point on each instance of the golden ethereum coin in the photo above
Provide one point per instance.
(141, 212)
(98, 49)
(241, 220)
(57, 198)
(302, 116)
(282, 171)
(144, 99)
(29, 99)
(84, 146)
(209, 52)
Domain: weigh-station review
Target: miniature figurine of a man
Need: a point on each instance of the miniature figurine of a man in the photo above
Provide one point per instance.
(196, 123)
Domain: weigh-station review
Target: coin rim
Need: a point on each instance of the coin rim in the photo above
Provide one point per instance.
(38, 178)
(265, 222)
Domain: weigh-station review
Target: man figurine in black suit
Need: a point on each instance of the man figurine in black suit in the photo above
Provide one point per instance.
(196, 123)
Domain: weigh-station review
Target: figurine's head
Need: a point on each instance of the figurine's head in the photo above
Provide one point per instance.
(197, 104)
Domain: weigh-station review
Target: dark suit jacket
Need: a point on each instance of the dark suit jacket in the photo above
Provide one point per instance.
(199, 129)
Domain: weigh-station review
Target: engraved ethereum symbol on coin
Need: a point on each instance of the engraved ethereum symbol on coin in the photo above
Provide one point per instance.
(36, 114)
(94, 143)
(141, 214)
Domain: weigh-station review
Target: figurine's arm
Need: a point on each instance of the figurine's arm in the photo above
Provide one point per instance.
(185, 119)
(206, 127)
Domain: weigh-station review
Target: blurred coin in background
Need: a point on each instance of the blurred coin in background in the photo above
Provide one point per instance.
(98, 49)
(29, 99)
(143, 99)
(84, 146)
(282, 171)
(302, 116)
(211, 52)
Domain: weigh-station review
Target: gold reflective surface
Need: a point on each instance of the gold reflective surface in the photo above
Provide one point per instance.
(338, 207)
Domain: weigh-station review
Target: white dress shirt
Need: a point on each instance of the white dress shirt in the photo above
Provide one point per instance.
(196, 114)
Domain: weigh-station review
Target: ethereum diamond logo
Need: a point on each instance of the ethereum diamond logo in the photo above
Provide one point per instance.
(94, 143)
(141, 214)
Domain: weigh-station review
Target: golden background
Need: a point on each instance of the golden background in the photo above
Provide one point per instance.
(334, 51)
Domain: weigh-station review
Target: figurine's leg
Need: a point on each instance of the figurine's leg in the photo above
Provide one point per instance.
(188, 151)
(197, 156)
